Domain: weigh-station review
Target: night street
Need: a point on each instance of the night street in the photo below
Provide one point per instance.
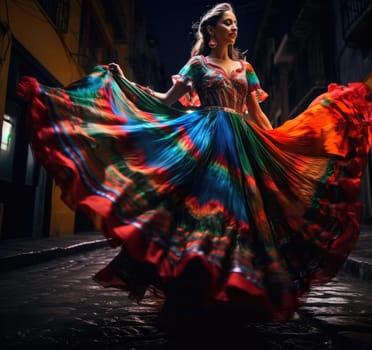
(57, 305)
(226, 147)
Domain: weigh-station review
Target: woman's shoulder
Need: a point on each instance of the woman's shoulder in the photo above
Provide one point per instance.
(192, 66)
(196, 60)
(247, 66)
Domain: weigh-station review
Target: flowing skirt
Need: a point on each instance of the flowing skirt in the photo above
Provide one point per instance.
(253, 217)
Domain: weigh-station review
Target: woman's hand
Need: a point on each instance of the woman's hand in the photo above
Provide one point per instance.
(115, 68)
(256, 112)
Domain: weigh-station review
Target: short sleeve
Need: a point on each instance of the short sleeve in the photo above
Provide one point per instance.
(189, 75)
(254, 83)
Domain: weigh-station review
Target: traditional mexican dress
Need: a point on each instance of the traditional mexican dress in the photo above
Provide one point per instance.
(264, 213)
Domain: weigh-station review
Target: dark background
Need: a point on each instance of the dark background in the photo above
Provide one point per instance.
(170, 25)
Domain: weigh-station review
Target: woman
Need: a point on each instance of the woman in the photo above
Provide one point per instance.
(208, 202)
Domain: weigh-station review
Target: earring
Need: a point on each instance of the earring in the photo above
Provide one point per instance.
(212, 43)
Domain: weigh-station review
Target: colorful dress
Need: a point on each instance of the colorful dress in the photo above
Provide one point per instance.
(264, 214)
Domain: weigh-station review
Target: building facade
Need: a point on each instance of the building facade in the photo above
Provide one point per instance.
(302, 46)
(57, 42)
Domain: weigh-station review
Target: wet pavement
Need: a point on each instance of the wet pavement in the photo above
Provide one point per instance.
(57, 305)
(359, 262)
(343, 307)
(15, 253)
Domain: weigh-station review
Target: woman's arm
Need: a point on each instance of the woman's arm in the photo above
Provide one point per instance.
(256, 112)
(170, 97)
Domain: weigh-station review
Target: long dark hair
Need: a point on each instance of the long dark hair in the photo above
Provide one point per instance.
(202, 37)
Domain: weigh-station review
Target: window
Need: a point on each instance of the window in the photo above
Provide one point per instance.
(7, 131)
(58, 11)
(7, 152)
(94, 47)
(356, 22)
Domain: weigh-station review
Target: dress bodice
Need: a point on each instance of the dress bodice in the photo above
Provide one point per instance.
(211, 85)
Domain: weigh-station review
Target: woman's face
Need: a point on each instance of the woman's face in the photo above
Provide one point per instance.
(226, 29)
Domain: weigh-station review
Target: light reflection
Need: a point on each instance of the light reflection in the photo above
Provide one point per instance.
(6, 135)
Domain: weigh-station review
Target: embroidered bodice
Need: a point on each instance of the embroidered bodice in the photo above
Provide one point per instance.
(211, 85)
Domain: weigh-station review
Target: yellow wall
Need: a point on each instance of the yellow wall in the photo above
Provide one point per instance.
(62, 218)
(368, 80)
(56, 52)
(31, 27)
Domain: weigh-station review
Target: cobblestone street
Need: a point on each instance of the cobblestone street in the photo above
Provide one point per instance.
(57, 305)
(224, 148)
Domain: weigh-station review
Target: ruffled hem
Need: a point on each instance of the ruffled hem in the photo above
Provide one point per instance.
(332, 218)
(234, 294)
